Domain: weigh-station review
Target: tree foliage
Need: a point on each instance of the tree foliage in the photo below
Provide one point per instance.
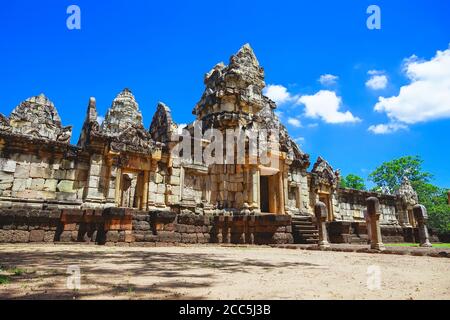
(353, 181)
(389, 177)
(390, 174)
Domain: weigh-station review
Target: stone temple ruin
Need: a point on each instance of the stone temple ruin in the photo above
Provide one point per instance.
(123, 183)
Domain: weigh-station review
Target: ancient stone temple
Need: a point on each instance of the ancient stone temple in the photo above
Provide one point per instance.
(125, 183)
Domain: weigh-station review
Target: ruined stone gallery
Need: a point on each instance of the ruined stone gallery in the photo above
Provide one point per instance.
(123, 183)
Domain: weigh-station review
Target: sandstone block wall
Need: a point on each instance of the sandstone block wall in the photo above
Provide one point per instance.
(350, 205)
(119, 226)
(32, 177)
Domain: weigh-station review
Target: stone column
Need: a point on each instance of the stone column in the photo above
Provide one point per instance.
(145, 191)
(255, 189)
(368, 226)
(321, 213)
(373, 210)
(118, 187)
(286, 190)
(281, 193)
(421, 215)
(298, 198)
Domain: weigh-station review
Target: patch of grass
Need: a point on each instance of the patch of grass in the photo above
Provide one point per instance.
(4, 279)
(17, 271)
(435, 245)
(131, 289)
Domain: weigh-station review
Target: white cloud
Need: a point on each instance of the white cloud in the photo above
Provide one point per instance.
(180, 128)
(426, 97)
(313, 125)
(278, 93)
(326, 105)
(299, 140)
(377, 81)
(279, 114)
(374, 72)
(100, 119)
(294, 122)
(386, 128)
(328, 79)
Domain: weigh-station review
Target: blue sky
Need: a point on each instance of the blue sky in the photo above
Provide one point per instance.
(161, 50)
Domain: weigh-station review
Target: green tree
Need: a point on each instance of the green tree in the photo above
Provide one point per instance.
(353, 181)
(390, 174)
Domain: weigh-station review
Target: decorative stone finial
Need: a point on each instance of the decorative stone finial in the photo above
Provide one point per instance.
(407, 193)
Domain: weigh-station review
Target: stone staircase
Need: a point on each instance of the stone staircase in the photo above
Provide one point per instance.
(304, 230)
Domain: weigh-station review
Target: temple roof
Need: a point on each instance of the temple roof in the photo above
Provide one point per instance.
(124, 112)
(37, 117)
(242, 81)
(162, 126)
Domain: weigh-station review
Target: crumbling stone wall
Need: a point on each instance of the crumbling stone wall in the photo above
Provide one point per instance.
(119, 226)
(351, 205)
(28, 225)
(33, 177)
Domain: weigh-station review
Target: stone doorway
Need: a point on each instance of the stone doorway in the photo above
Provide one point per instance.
(325, 198)
(131, 190)
(264, 193)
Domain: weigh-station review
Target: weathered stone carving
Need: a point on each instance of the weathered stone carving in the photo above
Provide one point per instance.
(324, 174)
(91, 127)
(163, 127)
(406, 199)
(37, 117)
(233, 88)
(407, 193)
(124, 113)
(4, 123)
(123, 125)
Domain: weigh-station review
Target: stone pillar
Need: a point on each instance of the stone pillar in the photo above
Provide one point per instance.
(286, 191)
(298, 198)
(373, 210)
(368, 226)
(255, 189)
(281, 193)
(118, 187)
(145, 190)
(321, 213)
(421, 215)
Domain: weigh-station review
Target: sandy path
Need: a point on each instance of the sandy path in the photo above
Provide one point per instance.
(212, 272)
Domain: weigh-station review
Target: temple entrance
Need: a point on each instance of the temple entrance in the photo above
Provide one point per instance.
(325, 198)
(131, 190)
(264, 193)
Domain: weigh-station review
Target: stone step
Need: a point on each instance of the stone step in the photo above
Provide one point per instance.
(305, 227)
(301, 218)
(302, 223)
(304, 230)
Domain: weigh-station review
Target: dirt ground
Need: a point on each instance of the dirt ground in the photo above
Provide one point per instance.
(214, 272)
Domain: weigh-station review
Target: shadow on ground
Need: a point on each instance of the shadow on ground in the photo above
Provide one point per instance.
(114, 274)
